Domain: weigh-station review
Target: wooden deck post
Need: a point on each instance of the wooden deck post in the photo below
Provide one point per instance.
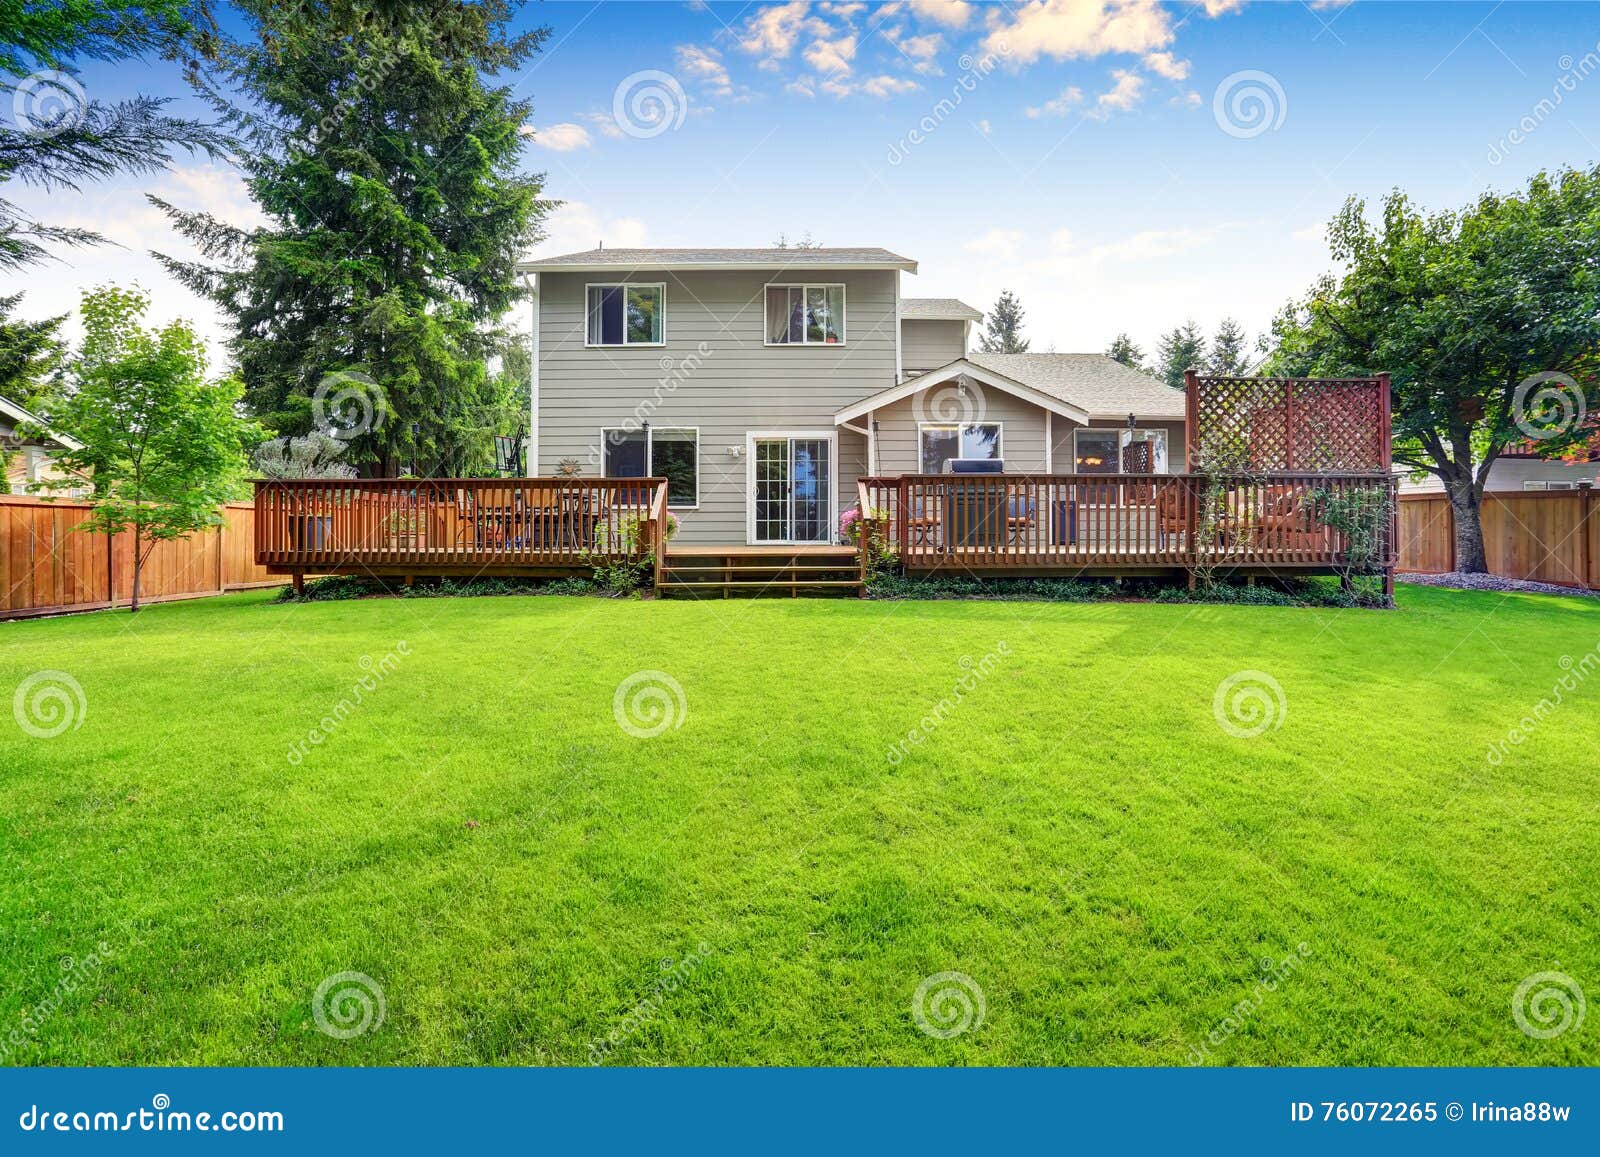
(299, 580)
(1191, 415)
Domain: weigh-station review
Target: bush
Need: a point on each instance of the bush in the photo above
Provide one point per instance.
(337, 587)
(893, 586)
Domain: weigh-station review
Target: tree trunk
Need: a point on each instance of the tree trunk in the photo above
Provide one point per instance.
(1467, 505)
(138, 565)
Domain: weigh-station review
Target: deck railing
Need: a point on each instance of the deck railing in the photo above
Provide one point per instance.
(1112, 521)
(441, 525)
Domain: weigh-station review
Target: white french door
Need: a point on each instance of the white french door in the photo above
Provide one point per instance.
(790, 487)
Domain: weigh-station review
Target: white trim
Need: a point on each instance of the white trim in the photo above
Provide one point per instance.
(778, 265)
(625, 344)
(17, 414)
(649, 432)
(531, 460)
(1000, 444)
(750, 439)
(804, 287)
(944, 373)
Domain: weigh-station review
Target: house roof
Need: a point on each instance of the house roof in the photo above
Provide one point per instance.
(937, 309)
(1082, 387)
(770, 257)
(1093, 382)
(17, 414)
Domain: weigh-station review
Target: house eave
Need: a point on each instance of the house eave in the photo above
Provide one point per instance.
(988, 377)
(709, 266)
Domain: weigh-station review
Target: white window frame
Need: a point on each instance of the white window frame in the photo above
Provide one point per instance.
(750, 439)
(1000, 427)
(1116, 436)
(803, 287)
(625, 344)
(649, 432)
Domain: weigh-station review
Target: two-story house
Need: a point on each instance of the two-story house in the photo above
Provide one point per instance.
(762, 383)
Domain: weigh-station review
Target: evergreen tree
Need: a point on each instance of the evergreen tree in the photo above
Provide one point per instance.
(1002, 329)
(1125, 350)
(1181, 349)
(31, 357)
(1228, 356)
(59, 139)
(386, 165)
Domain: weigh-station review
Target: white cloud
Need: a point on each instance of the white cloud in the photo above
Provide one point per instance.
(996, 243)
(985, 127)
(843, 11)
(801, 87)
(605, 123)
(1122, 96)
(773, 31)
(577, 226)
(1167, 65)
(950, 13)
(1067, 29)
(1059, 105)
(1187, 100)
(705, 66)
(560, 138)
(832, 55)
(1216, 8)
(1155, 244)
(922, 47)
(835, 87)
(888, 86)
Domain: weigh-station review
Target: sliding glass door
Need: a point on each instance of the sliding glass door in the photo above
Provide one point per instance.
(791, 488)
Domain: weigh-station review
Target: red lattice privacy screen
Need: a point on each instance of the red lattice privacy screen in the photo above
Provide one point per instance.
(1293, 425)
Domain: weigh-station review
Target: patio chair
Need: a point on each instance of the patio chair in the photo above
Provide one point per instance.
(922, 519)
(1022, 514)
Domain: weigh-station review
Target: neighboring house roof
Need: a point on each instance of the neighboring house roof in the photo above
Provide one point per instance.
(1082, 387)
(937, 309)
(769, 258)
(1094, 382)
(17, 414)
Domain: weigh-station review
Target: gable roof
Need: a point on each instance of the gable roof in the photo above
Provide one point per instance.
(769, 257)
(1082, 387)
(937, 309)
(17, 414)
(1104, 387)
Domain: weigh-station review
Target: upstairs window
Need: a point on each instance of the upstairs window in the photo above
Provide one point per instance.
(805, 315)
(623, 315)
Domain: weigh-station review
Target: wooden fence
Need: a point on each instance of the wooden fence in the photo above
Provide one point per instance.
(1544, 536)
(47, 566)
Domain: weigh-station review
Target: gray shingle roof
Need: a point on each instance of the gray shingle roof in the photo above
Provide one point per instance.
(1092, 382)
(770, 257)
(937, 309)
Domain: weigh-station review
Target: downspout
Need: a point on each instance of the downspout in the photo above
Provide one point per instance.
(531, 464)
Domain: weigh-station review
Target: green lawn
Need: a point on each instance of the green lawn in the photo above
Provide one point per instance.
(762, 883)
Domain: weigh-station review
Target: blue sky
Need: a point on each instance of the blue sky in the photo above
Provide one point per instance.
(1088, 163)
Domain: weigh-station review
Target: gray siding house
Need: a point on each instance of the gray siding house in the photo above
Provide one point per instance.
(762, 383)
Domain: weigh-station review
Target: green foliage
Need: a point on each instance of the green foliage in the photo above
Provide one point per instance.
(337, 588)
(1125, 350)
(887, 585)
(32, 357)
(57, 138)
(163, 448)
(388, 167)
(1002, 328)
(1182, 348)
(1228, 357)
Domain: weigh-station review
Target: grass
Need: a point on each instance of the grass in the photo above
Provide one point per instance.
(763, 883)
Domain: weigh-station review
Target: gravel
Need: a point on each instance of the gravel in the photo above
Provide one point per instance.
(1489, 582)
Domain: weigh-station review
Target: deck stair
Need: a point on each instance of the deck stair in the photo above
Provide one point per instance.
(733, 571)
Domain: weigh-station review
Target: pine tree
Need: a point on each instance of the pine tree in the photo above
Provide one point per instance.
(387, 168)
(1125, 350)
(1228, 356)
(1182, 349)
(32, 354)
(1002, 330)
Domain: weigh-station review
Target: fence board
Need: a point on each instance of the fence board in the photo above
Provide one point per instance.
(1543, 536)
(48, 565)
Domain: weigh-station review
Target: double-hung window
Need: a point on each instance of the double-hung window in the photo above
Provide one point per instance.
(623, 315)
(942, 442)
(673, 454)
(805, 315)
